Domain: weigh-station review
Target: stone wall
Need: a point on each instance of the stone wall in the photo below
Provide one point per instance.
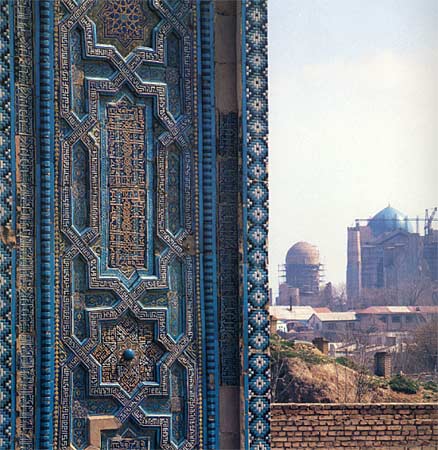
(355, 426)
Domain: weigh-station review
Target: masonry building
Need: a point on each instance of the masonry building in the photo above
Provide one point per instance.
(386, 253)
(302, 278)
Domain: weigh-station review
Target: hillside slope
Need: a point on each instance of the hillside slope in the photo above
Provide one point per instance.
(301, 373)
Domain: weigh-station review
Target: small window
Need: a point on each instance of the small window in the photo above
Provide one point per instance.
(391, 341)
(396, 319)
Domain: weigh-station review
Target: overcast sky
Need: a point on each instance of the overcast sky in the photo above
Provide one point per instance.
(353, 118)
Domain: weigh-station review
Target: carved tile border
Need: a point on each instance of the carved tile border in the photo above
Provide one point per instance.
(25, 206)
(255, 225)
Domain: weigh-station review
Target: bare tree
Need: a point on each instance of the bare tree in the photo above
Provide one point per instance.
(338, 301)
(414, 292)
(426, 345)
(281, 381)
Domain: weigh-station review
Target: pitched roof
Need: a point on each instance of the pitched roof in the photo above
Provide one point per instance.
(399, 310)
(346, 316)
(301, 313)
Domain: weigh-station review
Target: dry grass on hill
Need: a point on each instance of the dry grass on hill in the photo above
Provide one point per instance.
(301, 373)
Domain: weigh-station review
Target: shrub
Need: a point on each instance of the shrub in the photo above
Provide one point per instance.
(431, 386)
(400, 383)
(281, 348)
(347, 362)
(309, 356)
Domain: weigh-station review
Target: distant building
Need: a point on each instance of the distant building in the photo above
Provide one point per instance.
(293, 321)
(303, 267)
(387, 253)
(333, 325)
(300, 314)
(302, 277)
(394, 318)
(288, 295)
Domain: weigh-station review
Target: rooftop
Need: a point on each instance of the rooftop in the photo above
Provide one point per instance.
(299, 313)
(346, 316)
(399, 310)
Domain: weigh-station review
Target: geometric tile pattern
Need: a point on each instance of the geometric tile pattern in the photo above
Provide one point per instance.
(126, 153)
(125, 20)
(255, 163)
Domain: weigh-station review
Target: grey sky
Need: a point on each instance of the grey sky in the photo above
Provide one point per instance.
(353, 118)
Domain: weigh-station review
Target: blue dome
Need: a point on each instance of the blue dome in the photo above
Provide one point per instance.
(389, 219)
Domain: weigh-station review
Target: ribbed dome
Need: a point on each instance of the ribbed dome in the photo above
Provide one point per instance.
(303, 253)
(389, 219)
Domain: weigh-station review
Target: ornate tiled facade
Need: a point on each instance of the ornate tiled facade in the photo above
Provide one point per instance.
(127, 200)
(132, 145)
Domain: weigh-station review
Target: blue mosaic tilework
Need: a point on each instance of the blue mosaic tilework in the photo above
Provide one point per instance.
(255, 155)
(208, 195)
(128, 177)
(6, 388)
(45, 229)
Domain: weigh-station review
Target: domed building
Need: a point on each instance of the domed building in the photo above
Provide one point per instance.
(302, 268)
(386, 253)
(389, 219)
(303, 253)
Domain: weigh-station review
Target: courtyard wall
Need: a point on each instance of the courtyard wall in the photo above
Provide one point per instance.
(355, 426)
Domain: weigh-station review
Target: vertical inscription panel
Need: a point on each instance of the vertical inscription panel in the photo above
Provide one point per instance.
(127, 309)
(127, 187)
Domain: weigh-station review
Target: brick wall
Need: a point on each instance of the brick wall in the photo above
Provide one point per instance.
(355, 426)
